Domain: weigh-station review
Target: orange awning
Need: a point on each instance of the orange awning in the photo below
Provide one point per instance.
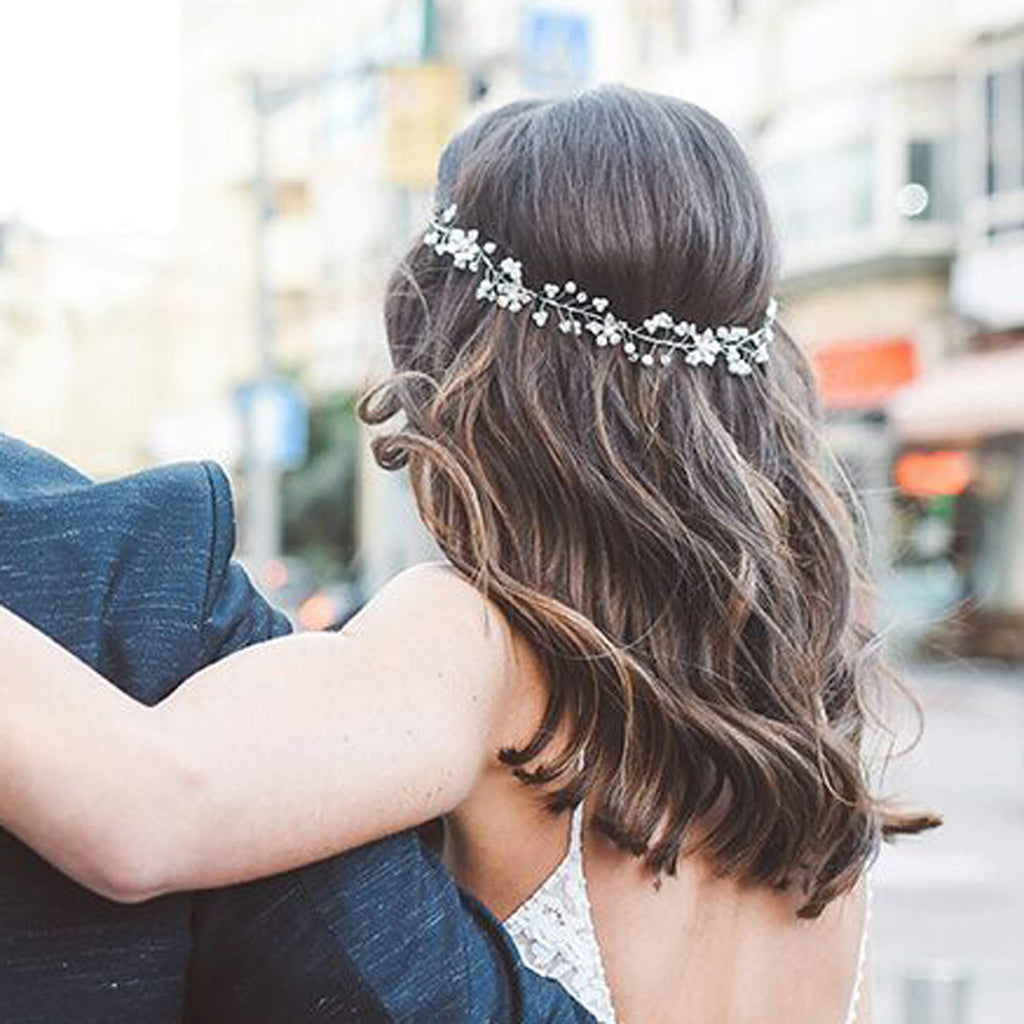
(930, 474)
(965, 398)
(862, 374)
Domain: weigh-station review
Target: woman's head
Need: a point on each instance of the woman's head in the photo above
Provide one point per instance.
(661, 535)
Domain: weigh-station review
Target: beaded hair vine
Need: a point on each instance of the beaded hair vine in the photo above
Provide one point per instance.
(659, 340)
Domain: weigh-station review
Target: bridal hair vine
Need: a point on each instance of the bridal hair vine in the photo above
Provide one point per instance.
(659, 340)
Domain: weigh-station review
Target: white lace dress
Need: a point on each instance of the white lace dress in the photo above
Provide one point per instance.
(554, 933)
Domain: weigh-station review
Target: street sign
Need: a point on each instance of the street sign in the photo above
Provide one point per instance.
(423, 105)
(277, 423)
(555, 50)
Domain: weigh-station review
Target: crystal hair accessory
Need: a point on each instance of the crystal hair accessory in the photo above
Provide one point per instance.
(659, 340)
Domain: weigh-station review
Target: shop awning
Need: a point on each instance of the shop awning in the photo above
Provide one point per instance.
(968, 397)
(863, 374)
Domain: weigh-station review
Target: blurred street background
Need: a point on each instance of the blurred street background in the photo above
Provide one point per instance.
(200, 201)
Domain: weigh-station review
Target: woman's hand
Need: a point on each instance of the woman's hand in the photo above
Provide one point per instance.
(280, 755)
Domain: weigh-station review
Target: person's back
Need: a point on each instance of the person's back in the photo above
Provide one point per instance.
(693, 946)
(612, 438)
(709, 949)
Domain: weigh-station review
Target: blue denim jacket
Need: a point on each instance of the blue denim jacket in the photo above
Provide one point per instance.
(381, 934)
(135, 577)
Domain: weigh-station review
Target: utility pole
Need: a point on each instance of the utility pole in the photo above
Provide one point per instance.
(265, 394)
(429, 50)
(262, 539)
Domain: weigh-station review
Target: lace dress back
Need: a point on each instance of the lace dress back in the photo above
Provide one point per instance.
(554, 933)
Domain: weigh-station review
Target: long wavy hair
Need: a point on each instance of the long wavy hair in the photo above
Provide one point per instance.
(664, 538)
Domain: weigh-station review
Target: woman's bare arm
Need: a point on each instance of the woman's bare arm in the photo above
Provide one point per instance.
(280, 755)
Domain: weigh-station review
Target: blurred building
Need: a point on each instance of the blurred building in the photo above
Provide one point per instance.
(287, 221)
(974, 401)
(85, 337)
(890, 136)
(891, 139)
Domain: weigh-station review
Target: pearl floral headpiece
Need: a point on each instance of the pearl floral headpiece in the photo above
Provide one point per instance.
(659, 340)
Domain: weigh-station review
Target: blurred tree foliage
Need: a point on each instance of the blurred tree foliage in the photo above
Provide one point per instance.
(319, 500)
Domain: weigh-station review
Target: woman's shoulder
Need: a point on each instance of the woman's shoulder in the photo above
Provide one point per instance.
(433, 605)
(435, 610)
(437, 573)
(442, 595)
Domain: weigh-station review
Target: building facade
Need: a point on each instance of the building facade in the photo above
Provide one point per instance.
(889, 138)
(889, 134)
(86, 329)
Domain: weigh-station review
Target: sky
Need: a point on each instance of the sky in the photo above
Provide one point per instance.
(89, 123)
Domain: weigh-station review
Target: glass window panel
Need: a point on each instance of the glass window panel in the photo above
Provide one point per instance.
(990, 133)
(931, 167)
(828, 195)
(1004, 127)
(1018, 126)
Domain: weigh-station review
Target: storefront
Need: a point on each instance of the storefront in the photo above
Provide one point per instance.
(959, 505)
(855, 379)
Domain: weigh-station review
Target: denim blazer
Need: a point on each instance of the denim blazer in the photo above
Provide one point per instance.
(135, 578)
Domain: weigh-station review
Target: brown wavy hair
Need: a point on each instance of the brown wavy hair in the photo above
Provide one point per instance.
(664, 538)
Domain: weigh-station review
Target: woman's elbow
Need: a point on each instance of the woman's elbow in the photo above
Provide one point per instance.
(125, 866)
(140, 855)
(134, 850)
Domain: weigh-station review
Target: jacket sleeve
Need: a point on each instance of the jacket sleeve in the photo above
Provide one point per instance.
(234, 614)
(154, 550)
(379, 935)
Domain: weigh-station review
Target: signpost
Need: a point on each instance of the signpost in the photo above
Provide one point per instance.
(275, 421)
(555, 50)
(423, 105)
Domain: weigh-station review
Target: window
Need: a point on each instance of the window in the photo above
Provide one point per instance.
(734, 10)
(682, 23)
(929, 191)
(1004, 128)
(992, 189)
(829, 195)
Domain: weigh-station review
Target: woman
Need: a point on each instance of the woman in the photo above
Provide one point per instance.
(635, 691)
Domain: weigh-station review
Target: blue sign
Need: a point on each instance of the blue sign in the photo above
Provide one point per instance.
(276, 422)
(555, 50)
